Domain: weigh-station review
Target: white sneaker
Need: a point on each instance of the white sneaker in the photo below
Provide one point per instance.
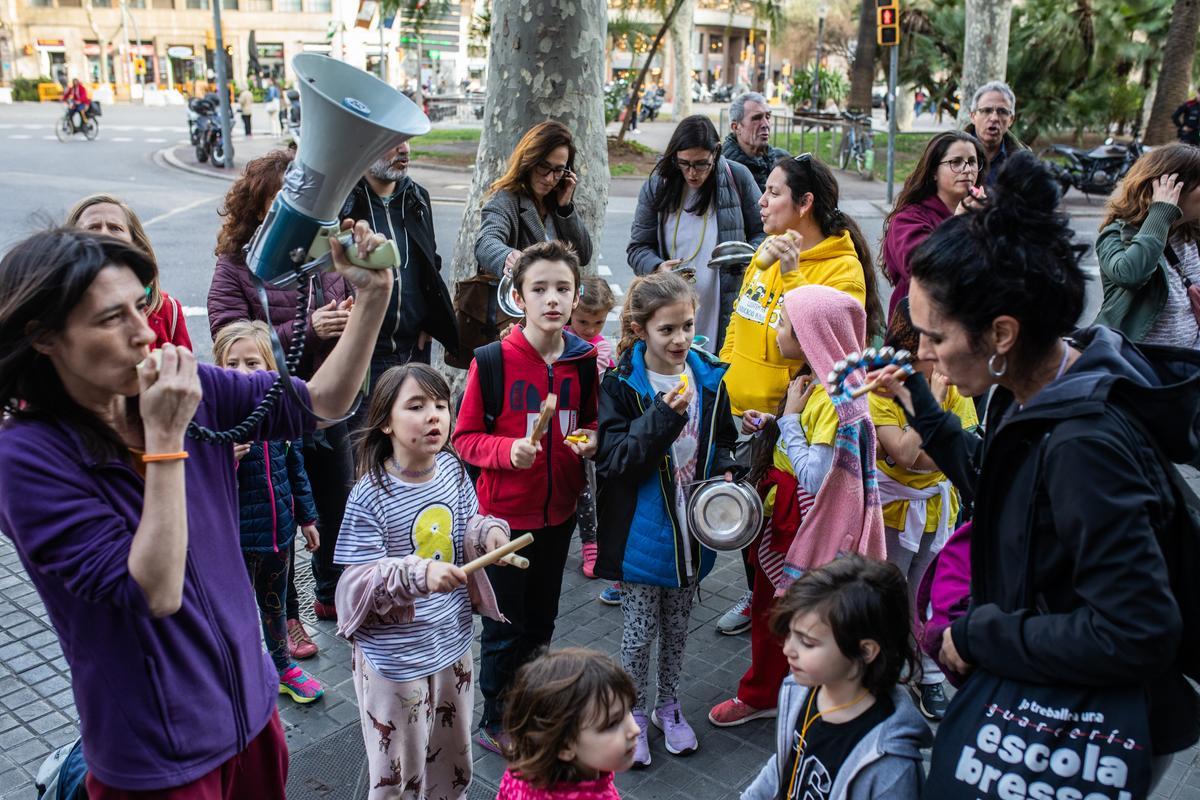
(736, 619)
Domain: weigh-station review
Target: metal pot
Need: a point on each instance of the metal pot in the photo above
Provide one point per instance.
(725, 516)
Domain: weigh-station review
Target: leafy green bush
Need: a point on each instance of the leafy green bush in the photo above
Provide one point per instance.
(26, 88)
(614, 100)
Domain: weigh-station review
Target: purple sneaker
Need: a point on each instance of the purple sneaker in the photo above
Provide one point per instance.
(678, 735)
(641, 753)
(494, 740)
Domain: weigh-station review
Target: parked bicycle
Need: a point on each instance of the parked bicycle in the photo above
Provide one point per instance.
(72, 122)
(858, 144)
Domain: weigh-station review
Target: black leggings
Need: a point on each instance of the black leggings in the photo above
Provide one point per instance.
(269, 576)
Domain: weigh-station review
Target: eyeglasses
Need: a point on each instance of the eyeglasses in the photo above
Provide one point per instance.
(1002, 112)
(698, 166)
(959, 165)
(546, 169)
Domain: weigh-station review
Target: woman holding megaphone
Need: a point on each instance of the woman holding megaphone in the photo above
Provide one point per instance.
(129, 529)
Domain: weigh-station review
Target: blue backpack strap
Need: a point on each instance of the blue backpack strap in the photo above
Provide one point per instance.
(489, 368)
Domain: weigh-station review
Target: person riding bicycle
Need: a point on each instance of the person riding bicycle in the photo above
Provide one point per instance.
(77, 100)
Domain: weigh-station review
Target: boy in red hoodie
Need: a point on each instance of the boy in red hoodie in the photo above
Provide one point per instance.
(534, 487)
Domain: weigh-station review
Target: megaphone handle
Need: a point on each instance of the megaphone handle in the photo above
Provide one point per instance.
(386, 256)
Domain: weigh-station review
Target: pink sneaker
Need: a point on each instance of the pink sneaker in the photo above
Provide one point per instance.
(589, 559)
(734, 712)
(299, 685)
(300, 644)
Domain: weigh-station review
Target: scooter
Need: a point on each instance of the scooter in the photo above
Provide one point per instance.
(209, 140)
(1093, 172)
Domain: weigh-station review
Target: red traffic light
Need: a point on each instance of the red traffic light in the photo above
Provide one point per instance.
(887, 16)
(887, 29)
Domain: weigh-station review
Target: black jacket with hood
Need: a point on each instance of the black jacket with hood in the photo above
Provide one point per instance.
(1068, 580)
(420, 299)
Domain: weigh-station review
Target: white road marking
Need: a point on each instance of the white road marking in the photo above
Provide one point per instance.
(122, 139)
(616, 288)
(195, 311)
(155, 139)
(180, 210)
(20, 136)
(605, 270)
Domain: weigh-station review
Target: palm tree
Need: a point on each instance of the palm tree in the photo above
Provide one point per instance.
(1176, 71)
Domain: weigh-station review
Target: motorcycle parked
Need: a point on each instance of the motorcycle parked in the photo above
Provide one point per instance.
(1092, 172)
(651, 103)
(293, 114)
(208, 138)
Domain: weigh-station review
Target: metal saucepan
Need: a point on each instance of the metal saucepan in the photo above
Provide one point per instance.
(505, 298)
(725, 515)
(731, 254)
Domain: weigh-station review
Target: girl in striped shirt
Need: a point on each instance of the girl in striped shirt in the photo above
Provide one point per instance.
(411, 519)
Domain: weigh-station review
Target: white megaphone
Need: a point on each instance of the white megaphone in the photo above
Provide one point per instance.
(351, 118)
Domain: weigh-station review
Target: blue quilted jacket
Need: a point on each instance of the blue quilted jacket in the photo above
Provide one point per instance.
(274, 496)
(640, 538)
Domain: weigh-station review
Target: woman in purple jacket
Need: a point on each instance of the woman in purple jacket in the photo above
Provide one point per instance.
(129, 530)
(953, 164)
(232, 296)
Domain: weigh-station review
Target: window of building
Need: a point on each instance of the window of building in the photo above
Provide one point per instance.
(317, 6)
(102, 3)
(230, 5)
(164, 4)
(39, 3)
(716, 43)
(256, 5)
(70, 3)
(198, 4)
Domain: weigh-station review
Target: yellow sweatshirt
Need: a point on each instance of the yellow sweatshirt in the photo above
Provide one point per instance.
(758, 375)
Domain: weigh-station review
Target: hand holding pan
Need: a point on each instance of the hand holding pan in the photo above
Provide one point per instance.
(499, 553)
(870, 360)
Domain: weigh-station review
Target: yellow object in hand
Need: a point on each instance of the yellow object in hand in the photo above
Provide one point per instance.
(577, 438)
(683, 381)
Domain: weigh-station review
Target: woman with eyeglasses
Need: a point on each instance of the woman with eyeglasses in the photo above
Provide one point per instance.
(694, 200)
(533, 201)
(952, 167)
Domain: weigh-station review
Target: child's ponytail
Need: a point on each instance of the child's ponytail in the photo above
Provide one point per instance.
(647, 295)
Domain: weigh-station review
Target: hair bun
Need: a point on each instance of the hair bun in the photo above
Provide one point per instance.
(1024, 185)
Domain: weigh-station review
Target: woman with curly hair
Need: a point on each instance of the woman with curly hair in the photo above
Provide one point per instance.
(103, 213)
(232, 296)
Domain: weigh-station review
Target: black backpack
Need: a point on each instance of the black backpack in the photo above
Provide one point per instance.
(489, 368)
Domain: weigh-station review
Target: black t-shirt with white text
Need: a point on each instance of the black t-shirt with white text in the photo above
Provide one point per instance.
(825, 751)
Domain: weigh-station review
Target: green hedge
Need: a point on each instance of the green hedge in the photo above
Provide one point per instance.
(26, 88)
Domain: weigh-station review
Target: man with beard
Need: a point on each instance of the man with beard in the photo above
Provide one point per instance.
(420, 309)
(993, 109)
(750, 140)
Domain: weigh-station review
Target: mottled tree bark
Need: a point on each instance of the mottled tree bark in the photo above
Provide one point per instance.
(1175, 73)
(862, 74)
(681, 47)
(985, 49)
(545, 62)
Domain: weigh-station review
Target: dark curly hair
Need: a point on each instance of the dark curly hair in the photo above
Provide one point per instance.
(1010, 256)
(246, 199)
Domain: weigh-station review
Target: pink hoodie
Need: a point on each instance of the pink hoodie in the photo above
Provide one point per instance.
(846, 516)
(514, 788)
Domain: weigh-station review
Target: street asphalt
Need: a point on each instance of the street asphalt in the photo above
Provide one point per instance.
(141, 156)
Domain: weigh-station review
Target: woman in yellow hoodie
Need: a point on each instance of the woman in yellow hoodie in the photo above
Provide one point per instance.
(810, 241)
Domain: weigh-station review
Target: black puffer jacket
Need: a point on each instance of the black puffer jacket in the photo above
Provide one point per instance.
(1068, 581)
(274, 495)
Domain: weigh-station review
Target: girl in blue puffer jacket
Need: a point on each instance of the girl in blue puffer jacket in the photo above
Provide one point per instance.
(274, 496)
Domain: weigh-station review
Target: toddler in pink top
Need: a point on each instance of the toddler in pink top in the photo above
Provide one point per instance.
(587, 322)
(570, 727)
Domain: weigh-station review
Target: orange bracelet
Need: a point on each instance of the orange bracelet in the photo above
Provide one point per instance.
(150, 458)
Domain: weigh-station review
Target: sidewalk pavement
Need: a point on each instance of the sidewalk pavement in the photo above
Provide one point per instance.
(327, 759)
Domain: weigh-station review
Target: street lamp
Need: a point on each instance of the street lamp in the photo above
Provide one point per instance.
(822, 11)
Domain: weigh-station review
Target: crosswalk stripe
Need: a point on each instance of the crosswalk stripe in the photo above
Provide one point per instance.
(20, 136)
(604, 270)
(195, 311)
(616, 288)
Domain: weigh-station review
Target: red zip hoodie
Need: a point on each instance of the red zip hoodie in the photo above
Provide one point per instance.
(546, 493)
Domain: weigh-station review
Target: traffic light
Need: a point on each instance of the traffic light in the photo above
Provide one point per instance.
(887, 23)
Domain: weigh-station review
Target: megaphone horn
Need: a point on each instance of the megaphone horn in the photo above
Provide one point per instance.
(351, 118)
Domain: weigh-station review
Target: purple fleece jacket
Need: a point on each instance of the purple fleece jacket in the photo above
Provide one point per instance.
(161, 702)
(908, 230)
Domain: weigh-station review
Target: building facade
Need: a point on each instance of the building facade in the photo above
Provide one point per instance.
(170, 44)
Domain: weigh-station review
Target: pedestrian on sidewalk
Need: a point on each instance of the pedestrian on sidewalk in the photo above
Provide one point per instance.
(1149, 262)
(693, 200)
(128, 528)
(274, 496)
(411, 521)
(533, 201)
(845, 728)
(535, 487)
(993, 110)
(246, 108)
(233, 296)
(836, 505)
(272, 107)
(920, 505)
(587, 322)
(571, 728)
(103, 213)
(664, 425)
(1074, 600)
(952, 165)
(811, 241)
(749, 140)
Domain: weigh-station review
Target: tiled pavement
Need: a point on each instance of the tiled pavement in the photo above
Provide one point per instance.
(37, 712)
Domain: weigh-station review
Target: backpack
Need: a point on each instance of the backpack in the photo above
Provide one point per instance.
(489, 368)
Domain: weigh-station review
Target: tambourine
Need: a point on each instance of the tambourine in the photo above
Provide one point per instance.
(731, 254)
(870, 359)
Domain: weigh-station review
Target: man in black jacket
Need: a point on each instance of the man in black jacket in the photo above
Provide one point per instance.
(749, 142)
(420, 311)
(1187, 120)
